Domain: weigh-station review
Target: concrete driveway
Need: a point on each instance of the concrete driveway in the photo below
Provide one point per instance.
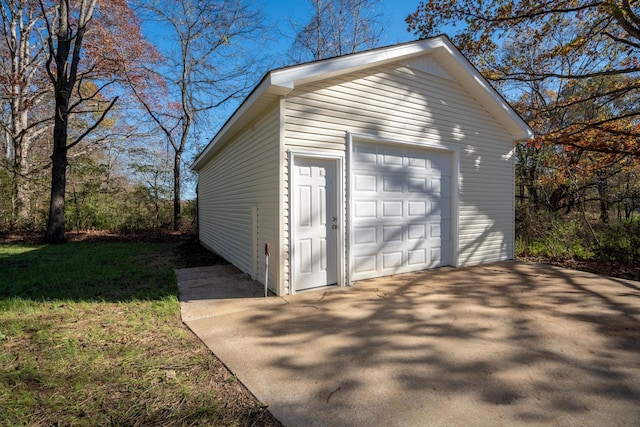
(505, 344)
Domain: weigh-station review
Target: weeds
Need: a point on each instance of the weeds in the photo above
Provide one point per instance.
(618, 242)
(612, 249)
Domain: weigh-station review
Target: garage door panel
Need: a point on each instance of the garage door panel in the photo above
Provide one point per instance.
(417, 162)
(417, 209)
(365, 235)
(392, 260)
(417, 231)
(392, 160)
(365, 265)
(392, 233)
(418, 185)
(365, 183)
(365, 154)
(365, 209)
(435, 186)
(401, 216)
(392, 184)
(417, 257)
(435, 231)
(391, 156)
(436, 256)
(392, 209)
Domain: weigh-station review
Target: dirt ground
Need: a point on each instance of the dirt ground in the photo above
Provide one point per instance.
(604, 268)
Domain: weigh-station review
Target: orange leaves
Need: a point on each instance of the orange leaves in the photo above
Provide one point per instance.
(570, 67)
(536, 143)
(116, 43)
(618, 137)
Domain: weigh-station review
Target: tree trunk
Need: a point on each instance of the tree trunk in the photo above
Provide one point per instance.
(21, 144)
(177, 216)
(604, 198)
(56, 226)
(21, 186)
(64, 80)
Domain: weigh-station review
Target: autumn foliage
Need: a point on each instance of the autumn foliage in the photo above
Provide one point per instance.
(571, 69)
(62, 74)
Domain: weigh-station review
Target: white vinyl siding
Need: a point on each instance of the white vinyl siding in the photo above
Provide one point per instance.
(238, 186)
(402, 103)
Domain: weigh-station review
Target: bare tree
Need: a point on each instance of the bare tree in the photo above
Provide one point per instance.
(337, 27)
(210, 66)
(65, 33)
(81, 85)
(22, 87)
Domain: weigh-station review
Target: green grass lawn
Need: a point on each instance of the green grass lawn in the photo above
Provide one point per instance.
(90, 334)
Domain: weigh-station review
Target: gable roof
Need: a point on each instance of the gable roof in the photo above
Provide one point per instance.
(281, 81)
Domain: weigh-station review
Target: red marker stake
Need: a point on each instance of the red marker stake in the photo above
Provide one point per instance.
(266, 267)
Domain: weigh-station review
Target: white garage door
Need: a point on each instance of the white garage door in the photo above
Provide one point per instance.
(401, 210)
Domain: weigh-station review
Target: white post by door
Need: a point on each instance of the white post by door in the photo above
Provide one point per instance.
(315, 216)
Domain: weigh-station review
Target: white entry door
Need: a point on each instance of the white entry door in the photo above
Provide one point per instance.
(315, 223)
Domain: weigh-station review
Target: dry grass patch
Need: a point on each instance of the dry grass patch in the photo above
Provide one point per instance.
(124, 360)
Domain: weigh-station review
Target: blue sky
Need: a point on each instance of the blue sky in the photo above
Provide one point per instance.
(278, 14)
(393, 14)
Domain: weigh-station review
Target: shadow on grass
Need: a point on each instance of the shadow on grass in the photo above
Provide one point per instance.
(97, 271)
(91, 335)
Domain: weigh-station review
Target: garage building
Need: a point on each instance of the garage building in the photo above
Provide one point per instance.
(376, 163)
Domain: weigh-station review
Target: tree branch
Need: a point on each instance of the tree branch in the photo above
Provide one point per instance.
(94, 126)
(533, 76)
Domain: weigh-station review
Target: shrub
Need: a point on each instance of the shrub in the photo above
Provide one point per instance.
(620, 242)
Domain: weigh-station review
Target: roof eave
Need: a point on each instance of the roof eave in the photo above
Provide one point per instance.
(265, 87)
(282, 81)
(324, 69)
(487, 94)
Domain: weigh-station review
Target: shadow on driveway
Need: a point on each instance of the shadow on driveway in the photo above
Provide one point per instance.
(505, 344)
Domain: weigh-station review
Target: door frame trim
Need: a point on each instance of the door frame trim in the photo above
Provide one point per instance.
(339, 162)
(451, 149)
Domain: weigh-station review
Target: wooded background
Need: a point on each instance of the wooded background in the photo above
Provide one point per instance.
(105, 103)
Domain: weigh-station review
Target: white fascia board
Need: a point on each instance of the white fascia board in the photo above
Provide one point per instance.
(465, 72)
(327, 68)
(266, 86)
(281, 82)
(518, 128)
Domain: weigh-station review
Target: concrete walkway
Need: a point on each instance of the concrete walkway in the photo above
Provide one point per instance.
(505, 344)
